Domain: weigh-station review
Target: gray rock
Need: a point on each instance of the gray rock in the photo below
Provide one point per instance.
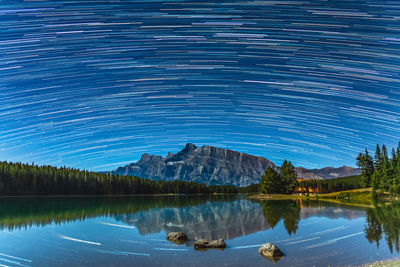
(204, 244)
(271, 252)
(177, 237)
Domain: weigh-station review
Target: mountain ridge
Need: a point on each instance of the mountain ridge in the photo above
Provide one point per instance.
(216, 166)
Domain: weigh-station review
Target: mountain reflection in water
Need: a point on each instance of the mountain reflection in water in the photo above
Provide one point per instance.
(211, 220)
(225, 217)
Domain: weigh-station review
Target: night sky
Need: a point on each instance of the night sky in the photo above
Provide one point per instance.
(91, 84)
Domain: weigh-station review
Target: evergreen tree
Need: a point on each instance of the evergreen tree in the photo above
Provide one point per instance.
(384, 177)
(366, 164)
(289, 177)
(375, 181)
(391, 172)
(378, 159)
(394, 171)
(270, 181)
(378, 166)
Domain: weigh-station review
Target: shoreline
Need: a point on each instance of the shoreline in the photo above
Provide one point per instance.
(357, 197)
(318, 196)
(383, 263)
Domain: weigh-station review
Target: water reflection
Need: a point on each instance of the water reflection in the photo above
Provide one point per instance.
(288, 211)
(24, 212)
(199, 217)
(211, 220)
(384, 219)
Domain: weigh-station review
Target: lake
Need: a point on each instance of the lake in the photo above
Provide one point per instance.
(121, 231)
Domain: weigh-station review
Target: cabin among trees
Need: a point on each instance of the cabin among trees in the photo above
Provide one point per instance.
(307, 186)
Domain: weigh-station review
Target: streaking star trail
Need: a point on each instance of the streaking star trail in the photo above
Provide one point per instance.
(94, 84)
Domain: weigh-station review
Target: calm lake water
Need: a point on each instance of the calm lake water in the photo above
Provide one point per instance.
(121, 231)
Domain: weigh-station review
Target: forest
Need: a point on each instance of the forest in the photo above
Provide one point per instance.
(283, 182)
(30, 179)
(381, 172)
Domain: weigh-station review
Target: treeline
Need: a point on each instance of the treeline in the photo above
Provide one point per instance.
(381, 172)
(283, 182)
(30, 179)
(331, 185)
(250, 189)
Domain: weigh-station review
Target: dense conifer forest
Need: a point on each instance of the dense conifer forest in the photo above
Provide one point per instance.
(381, 172)
(30, 179)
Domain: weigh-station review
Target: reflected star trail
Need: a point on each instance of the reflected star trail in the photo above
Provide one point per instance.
(92, 84)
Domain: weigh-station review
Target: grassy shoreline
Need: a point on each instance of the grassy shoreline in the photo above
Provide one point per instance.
(293, 196)
(354, 197)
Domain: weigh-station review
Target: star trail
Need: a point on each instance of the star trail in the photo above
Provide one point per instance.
(92, 84)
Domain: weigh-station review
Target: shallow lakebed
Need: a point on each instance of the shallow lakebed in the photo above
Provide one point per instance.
(121, 231)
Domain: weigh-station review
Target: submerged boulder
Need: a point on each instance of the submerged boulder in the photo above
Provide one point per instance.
(271, 252)
(177, 237)
(204, 244)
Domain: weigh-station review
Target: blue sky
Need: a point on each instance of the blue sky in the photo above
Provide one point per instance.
(92, 84)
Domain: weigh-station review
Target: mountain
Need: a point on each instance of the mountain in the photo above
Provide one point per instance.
(326, 173)
(208, 165)
(216, 166)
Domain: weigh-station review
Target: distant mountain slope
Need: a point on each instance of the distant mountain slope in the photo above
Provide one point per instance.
(326, 173)
(216, 166)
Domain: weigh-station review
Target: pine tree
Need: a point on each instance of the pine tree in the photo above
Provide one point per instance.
(396, 167)
(391, 172)
(385, 175)
(378, 158)
(378, 165)
(366, 164)
(270, 181)
(289, 177)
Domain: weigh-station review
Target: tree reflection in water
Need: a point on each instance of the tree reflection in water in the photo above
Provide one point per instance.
(384, 219)
(289, 211)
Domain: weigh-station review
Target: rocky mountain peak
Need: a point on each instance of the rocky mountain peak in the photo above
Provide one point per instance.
(216, 166)
(188, 148)
(208, 164)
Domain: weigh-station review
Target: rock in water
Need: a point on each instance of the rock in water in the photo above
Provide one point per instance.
(271, 252)
(177, 237)
(204, 243)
